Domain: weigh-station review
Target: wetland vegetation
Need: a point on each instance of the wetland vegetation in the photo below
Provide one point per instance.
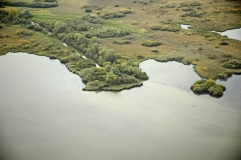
(119, 35)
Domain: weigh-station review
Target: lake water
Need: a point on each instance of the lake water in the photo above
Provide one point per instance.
(232, 33)
(44, 114)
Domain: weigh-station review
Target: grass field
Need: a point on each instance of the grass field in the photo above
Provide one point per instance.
(198, 46)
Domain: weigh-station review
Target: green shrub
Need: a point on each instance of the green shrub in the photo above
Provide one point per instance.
(155, 51)
(37, 28)
(188, 4)
(166, 28)
(226, 55)
(59, 27)
(25, 14)
(107, 33)
(88, 10)
(216, 90)
(192, 14)
(187, 9)
(150, 43)
(233, 64)
(140, 57)
(125, 11)
(121, 42)
(32, 5)
(108, 14)
(223, 43)
(208, 86)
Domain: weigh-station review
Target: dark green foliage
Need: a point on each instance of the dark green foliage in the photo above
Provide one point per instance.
(25, 14)
(170, 28)
(15, 18)
(87, 75)
(110, 56)
(30, 26)
(223, 43)
(121, 42)
(170, 6)
(178, 58)
(150, 43)
(233, 64)
(37, 28)
(107, 33)
(59, 27)
(208, 86)
(88, 10)
(155, 51)
(107, 14)
(187, 9)
(192, 14)
(216, 90)
(31, 5)
(226, 55)
(187, 4)
(90, 19)
(140, 57)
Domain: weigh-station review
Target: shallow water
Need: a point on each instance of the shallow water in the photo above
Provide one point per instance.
(46, 115)
(232, 33)
(185, 26)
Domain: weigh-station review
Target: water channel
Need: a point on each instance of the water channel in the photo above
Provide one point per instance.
(46, 115)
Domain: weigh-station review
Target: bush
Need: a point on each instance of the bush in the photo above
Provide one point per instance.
(192, 14)
(226, 55)
(88, 10)
(216, 90)
(150, 43)
(208, 86)
(31, 5)
(25, 14)
(188, 4)
(110, 56)
(107, 14)
(107, 33)
(233, 64)
(125, 11)
(121, 42)
(59, 27)
(21, 33)
(166, 28)
(223, 43)
(38, 28)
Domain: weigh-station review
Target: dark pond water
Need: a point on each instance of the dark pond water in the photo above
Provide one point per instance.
(44, 114)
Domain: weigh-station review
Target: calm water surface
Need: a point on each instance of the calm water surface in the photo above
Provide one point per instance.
(232, 33)
(44, 114)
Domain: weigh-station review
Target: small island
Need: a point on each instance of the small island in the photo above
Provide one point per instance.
(105, 41)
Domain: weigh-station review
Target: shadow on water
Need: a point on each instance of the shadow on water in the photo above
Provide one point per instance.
(46, 115)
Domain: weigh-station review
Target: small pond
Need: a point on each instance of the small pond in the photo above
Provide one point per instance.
(44, 114)
(185, 26)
